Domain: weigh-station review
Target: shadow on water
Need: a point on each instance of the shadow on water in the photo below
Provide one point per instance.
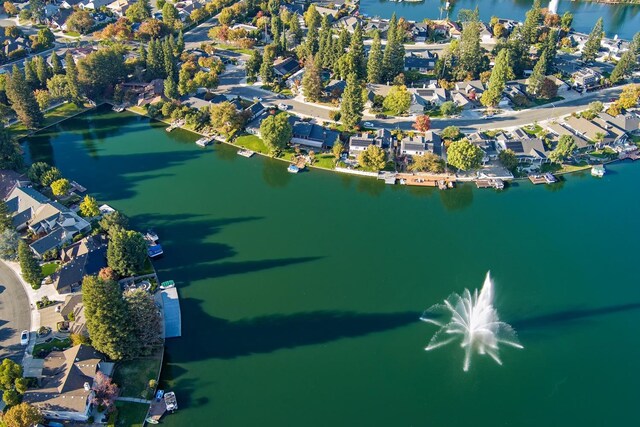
(457, 199)
(570, 315)
(275, 173)
(266, 334)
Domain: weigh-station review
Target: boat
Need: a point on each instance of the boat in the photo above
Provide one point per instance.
(118, 109)
(293, 169)
(170, 401)
(152, 235)
(245, 153)
(154, 251)
(598, 171)
(166, 285)
(152, 420)
(159, 393)
(203, 142)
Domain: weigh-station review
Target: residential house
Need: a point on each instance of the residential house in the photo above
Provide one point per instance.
(9, 180)
(486, 34)
(312, 135)
(628, 122)
(85, 257)
(421, 144)
(66, 386)
(454, 30)
(423, 63)
(295, 80)
(23, 202)
(58, 21)
(94, 4)
(560, 84)
(334, 89)
(119, 7)
(440, 28)
(285, 66)
(588, 129)
(381, 25)
(586, 77)
(325, 11)
(462, 101)
(254, 110)
(530, 151)
(348, 22)
(472, 89)
(70, 4)
(420, 32)
(359, 143)
(557, 130)
(432, 95)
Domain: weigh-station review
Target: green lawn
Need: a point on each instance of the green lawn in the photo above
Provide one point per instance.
(604, 154)
(532, 129)
(49, 268)
(133, 376)
(50, 117)
(325, 160)
(130, 414)
(233, 48)
(51, 345)
(253, 143)
(538, 101)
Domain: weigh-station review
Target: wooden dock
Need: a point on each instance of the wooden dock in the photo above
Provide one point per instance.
(496, 183)
(546, 178)
(633, 155)
(443, 182)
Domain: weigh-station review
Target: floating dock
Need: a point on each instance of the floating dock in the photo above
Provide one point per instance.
(443, 182)
(496, 183)
(546, 178)
(172, 319)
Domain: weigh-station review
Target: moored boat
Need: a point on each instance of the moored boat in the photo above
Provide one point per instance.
(167, 284)
(170, 401)
(598, 171)
(293, 169)
(154, 251)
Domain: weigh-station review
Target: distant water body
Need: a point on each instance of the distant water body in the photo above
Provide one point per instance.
(623, 20)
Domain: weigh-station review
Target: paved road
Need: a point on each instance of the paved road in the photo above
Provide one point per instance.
(15, 314)
(194, 37)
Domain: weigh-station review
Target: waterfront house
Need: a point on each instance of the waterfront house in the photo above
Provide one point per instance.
(628, 122)
(66, 384)
(454, 30)
(557, 130)
(312, 135)
(348, 22)
(530, 151)
(85, 257)
(381, 25)
(588, 129)
(486, 34)
(359, 143)
(331, 13)
(254, 110)
(419, 145)
(420, 32)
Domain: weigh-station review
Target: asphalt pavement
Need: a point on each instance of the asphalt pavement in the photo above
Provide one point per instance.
(15, 314)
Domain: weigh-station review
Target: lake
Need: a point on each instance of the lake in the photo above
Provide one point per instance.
(301, 294)
(620, 19)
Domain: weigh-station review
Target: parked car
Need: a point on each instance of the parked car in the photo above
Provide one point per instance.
(381, 116)
(24, 338)
(283, 107)
(368, 124)
(488, 116)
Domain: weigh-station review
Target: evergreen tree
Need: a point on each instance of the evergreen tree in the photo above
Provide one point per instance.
(311, 81)
(531, 23)
(266, 69)
(23, 101)
(31, 271)
(311, 42)
(276, 132)
(592, 45)
(393, 58)
(551, 49)
(5, 217)
(538, 75)
(356, 60)
(501, 72)
(10, 152)
(72, 78)
(168, 60)
(143, 315)
(295, 30)
(127, 252)
(324, 43)
(170, 88)
(142, 53)
(253, 63)
(30, 74)
(374, 62)
(469, 50)
(110, 329)
(43, 71)
(627, 63)
(56, 64)
(352, 103)
(155, 60)
(180, 43)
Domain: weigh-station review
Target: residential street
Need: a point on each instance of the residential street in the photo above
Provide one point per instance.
(15, 314)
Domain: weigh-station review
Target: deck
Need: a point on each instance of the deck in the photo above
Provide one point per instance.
(170, 313)
(546, 178)
(425, 180)
(496, 183)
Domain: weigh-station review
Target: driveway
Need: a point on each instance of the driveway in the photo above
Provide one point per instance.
(15, 314)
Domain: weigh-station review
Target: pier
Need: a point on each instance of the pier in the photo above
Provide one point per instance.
(443, 182)
(496, 183)
(546, 178)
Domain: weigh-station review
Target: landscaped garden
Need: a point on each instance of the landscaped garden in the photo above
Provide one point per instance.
(49, 268)
(133, 376)
(42, 349)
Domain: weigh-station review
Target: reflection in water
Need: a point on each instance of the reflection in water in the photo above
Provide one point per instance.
(275, 173)
(226, 152)
(370, 186)
(40, 148)
(458, 198)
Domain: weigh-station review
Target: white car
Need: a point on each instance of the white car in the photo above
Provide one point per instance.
(488, 116)
(283, 107)
(24, 338)
(368, 124)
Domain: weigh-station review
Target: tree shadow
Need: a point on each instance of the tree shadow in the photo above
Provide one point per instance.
(265, 334)
(567, 316)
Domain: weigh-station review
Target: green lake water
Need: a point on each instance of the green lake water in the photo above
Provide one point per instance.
(301, 294)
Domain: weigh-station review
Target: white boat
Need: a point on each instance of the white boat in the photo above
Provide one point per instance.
(293, 169)
(118, 109)
(204, 141)
(598, 171)
(151, 235)
(170, 401)
(245, 153)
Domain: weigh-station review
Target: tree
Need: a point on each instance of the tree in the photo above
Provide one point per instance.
(10, 8)
(356, 60)
(43, 71)
(23, 100)
(9, 241)
(464, 155)
(36, 10)
(80, 21)
(592, 45)
(44, 39)
(451, 133)
(393, 58)
(49, 176)
(566, 146)
(10, 152)
(108, 324)
(139, 11)
(629, 96)
(429, 162)
(352, 103)
(627, 62)
(37, 170)
(22, 415)
(5, 217)
(43, 98)
(508, 159)
(10, 372)
(276, 132)
(170, 16)
(89, 207)
(534, 85)
(549, 90)
(337, 149)
(374, 63)
(312, 81)
(422, 123)
(171, 88)
(266, 69)
(143, 315)
(566, 21)
(60, 187)
(152, 28)
(532, 22)
(72, 78)
(469, 51)
(253, 63)
(127, 252)
(99, 71)
(31, 270)
(30, 75)
(374, 158)
(180, 43)
(448, 108)
(225, 118)
(397, 100)
(105, 391)
(502, 72)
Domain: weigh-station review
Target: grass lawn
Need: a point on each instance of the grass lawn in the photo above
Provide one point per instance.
(532, 129)
(133, 376)
(547, 101)
(130, 414)
(233, 48)
(49, 346)
(604, 154)
(635, 139)
(325, 160)
(49, 268)
(50, 117)
(253, 143)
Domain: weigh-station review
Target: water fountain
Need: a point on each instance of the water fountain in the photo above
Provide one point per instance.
(553, 6)
(474, 320)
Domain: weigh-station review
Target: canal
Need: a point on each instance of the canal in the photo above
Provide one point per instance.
(301, 294)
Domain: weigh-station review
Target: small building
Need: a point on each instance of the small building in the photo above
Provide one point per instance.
(334, 89)
(312, 135)
(420, 32)
(434, 96)
(586, 77)
(254, 110)
(423, 64)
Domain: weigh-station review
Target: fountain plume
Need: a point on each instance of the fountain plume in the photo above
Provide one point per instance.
(553, 6)
(474, 320)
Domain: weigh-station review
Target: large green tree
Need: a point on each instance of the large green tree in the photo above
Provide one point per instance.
(374, 63)
(143, 314)
(312, 81)
(500, 74)
(393, 58)
(469, 50)
(10, 152)
(127, 252)
(101, 70)
(508, 159)
(9, 241)
(22, 415)
(276, 132)
(108, 323)
(31, 271)
(356, 60)
(73, 85)
(566, 146)
(464, 155)
(532, 22)
(627, 62)
(397, 100)
(113, 222)
(428, 162)
(56, 64)
(592, 45)
(373, 158)
(139, 11)
(536, 80)
(22, 99)
(80, 21)
(352, 103)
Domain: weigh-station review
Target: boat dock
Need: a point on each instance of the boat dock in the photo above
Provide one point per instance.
(388, 177)
(443, 182)
(174, 125)
(496, 183)
(167, 298)
(546, 178)
(633, 155)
